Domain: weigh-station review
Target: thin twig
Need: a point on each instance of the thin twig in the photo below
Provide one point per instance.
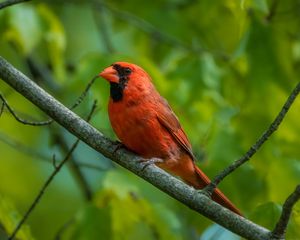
(41, 73)
(280, 228)
(49, 121)
(3, 231)
(74, 168)
(49, 180)
(254, 148)
(11, 2)
(41, 192)
(84, 93)
(21, 120)
(154, 175)
(2, 108)
(63, 228)
(54, 161)
(272, 11)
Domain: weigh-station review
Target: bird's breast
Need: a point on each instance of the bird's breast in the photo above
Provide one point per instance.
(136, 125)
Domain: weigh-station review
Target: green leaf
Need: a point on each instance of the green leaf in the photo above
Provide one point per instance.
(24, 29)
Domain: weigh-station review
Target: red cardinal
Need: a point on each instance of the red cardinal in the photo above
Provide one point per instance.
(146, 124)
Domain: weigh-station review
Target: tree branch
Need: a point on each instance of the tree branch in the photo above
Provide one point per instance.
(11, 2)
(75, 169)
(157, 177)
(63, 228)
(84, 93)
(21, 120)
(2, 108)
(49, 180)
(255, 147)
(49, 121)
(41, 73)
(42, 191)
(280, 228)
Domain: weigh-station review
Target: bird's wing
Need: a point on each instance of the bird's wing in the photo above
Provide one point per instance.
(169, 121)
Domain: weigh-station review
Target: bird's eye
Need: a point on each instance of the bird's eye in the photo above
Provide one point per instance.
(127, 71)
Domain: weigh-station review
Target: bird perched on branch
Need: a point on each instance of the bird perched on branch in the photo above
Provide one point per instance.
(145, 123)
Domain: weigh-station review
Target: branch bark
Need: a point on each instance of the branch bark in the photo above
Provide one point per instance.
(11, 2)
(280, 228)
(257, 145)
(49, 180)
(75, 169)
(157, 177)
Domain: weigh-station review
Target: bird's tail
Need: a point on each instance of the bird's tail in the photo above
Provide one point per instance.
(202, 180)
(192, 175)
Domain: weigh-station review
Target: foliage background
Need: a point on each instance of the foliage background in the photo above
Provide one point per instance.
(226, 67)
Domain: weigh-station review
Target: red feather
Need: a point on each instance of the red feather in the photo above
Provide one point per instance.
(168, 119)
(146, 124)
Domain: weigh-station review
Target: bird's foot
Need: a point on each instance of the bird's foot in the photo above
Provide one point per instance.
(205, 192)
(118, 145)
(148, 162)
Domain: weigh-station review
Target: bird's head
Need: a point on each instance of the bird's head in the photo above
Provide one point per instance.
(123, 75)
(120, 71)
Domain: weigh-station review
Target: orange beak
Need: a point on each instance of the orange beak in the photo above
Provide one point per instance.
(110, 74)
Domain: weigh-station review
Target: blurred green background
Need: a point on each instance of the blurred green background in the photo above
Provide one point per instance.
(226, 67)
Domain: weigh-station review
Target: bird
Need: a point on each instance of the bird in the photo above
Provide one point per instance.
(145, 123)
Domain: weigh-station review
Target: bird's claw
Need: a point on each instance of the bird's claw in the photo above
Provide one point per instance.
(205, 192)
(119, 145)
(148, 162)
